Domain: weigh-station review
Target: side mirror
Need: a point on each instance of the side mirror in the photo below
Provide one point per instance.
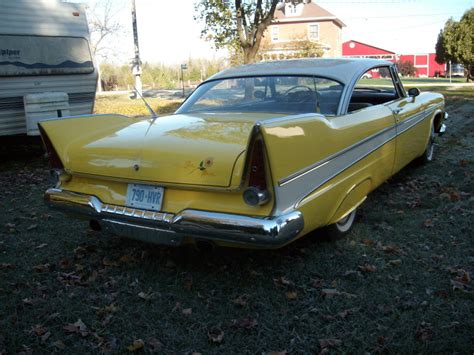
(413, 92)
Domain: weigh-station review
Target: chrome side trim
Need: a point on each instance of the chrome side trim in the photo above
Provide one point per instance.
(290, 118)
(291, 193)
(413, 121)
(323, 162)
(291, 190)
(172, 229)
(407, 124)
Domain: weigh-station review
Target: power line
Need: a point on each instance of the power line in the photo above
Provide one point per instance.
(372, 2)
(400, 16)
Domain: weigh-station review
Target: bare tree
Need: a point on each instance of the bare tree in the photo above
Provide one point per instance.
(104, 27)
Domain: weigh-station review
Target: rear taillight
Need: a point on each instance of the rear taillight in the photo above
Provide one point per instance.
(257, 191)
(50, 152)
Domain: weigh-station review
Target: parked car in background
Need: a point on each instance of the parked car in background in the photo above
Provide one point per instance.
(46, 65)
(257, 156)
(457, 70)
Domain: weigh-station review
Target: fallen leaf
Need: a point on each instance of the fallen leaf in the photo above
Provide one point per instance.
(395, 262)
(454, 196)
(428, 223)
(27, 301)
(461, 286)
(59, 344)
(187, 311)
(64, 264)
(42, 267)
(154, 344)
(127, 259)
(317, 283)
(245, 323)
(391, 249)
(329, 343)
(368, 242)
(188, 282)
(146, 296)
(45, 336)
(107, 262)
(329, 292)
(137, 345)
(463, 276)
(215, 335)
(345, 313)
(39, 330)
(367, 268)
(291, 295)
(80, 252)
(31, 227)
(424, 331)
(282, 281)
(78, 327)
(4, 266)
(463, 163)
(242, 300)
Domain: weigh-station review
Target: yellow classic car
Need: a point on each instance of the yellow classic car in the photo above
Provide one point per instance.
(257, 156)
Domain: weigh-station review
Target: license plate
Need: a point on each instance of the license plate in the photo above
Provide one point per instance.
(146, 197)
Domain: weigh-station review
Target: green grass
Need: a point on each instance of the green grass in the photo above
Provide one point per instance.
(453, 92)
(416, 230)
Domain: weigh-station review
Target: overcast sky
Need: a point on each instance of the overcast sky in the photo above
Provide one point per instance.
(169, 34)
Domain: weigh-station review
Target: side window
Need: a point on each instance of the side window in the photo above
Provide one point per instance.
(275, 33)
(374, 87)
(313, 32)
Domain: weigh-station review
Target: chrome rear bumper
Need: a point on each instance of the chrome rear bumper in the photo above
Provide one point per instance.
(172, 229)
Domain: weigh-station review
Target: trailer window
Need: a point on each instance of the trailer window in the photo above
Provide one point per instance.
(41, 55)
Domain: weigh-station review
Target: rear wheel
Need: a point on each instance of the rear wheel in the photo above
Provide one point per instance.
(341, 228)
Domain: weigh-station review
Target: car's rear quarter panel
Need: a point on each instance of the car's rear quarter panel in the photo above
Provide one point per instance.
(361, 148)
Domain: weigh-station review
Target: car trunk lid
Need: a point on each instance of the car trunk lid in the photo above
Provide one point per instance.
(198, 149)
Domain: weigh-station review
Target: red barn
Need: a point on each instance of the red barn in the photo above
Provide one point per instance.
(357, 49)
(425, 64)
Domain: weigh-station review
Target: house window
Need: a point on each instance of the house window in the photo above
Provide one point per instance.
(313, 32)
(275, 33)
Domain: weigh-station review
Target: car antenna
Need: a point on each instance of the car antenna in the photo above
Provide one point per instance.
(154, 115)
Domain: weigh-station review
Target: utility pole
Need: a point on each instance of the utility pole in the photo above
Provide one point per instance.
(136, 62)
(183, 68)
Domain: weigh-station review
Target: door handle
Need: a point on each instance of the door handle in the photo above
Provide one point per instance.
(397, 111)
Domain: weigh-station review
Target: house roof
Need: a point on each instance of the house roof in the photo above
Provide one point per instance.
(343, 70)
(367, 46)
(311, 12)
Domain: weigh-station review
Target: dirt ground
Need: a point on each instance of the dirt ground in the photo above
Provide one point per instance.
(399, 283)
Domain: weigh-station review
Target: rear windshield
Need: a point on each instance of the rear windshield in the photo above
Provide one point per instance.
(40, 55)
(272, 94)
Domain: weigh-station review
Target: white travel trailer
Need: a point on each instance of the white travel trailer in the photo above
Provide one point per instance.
(46, 65)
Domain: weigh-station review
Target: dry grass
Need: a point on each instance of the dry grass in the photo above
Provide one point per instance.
(125, 106)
